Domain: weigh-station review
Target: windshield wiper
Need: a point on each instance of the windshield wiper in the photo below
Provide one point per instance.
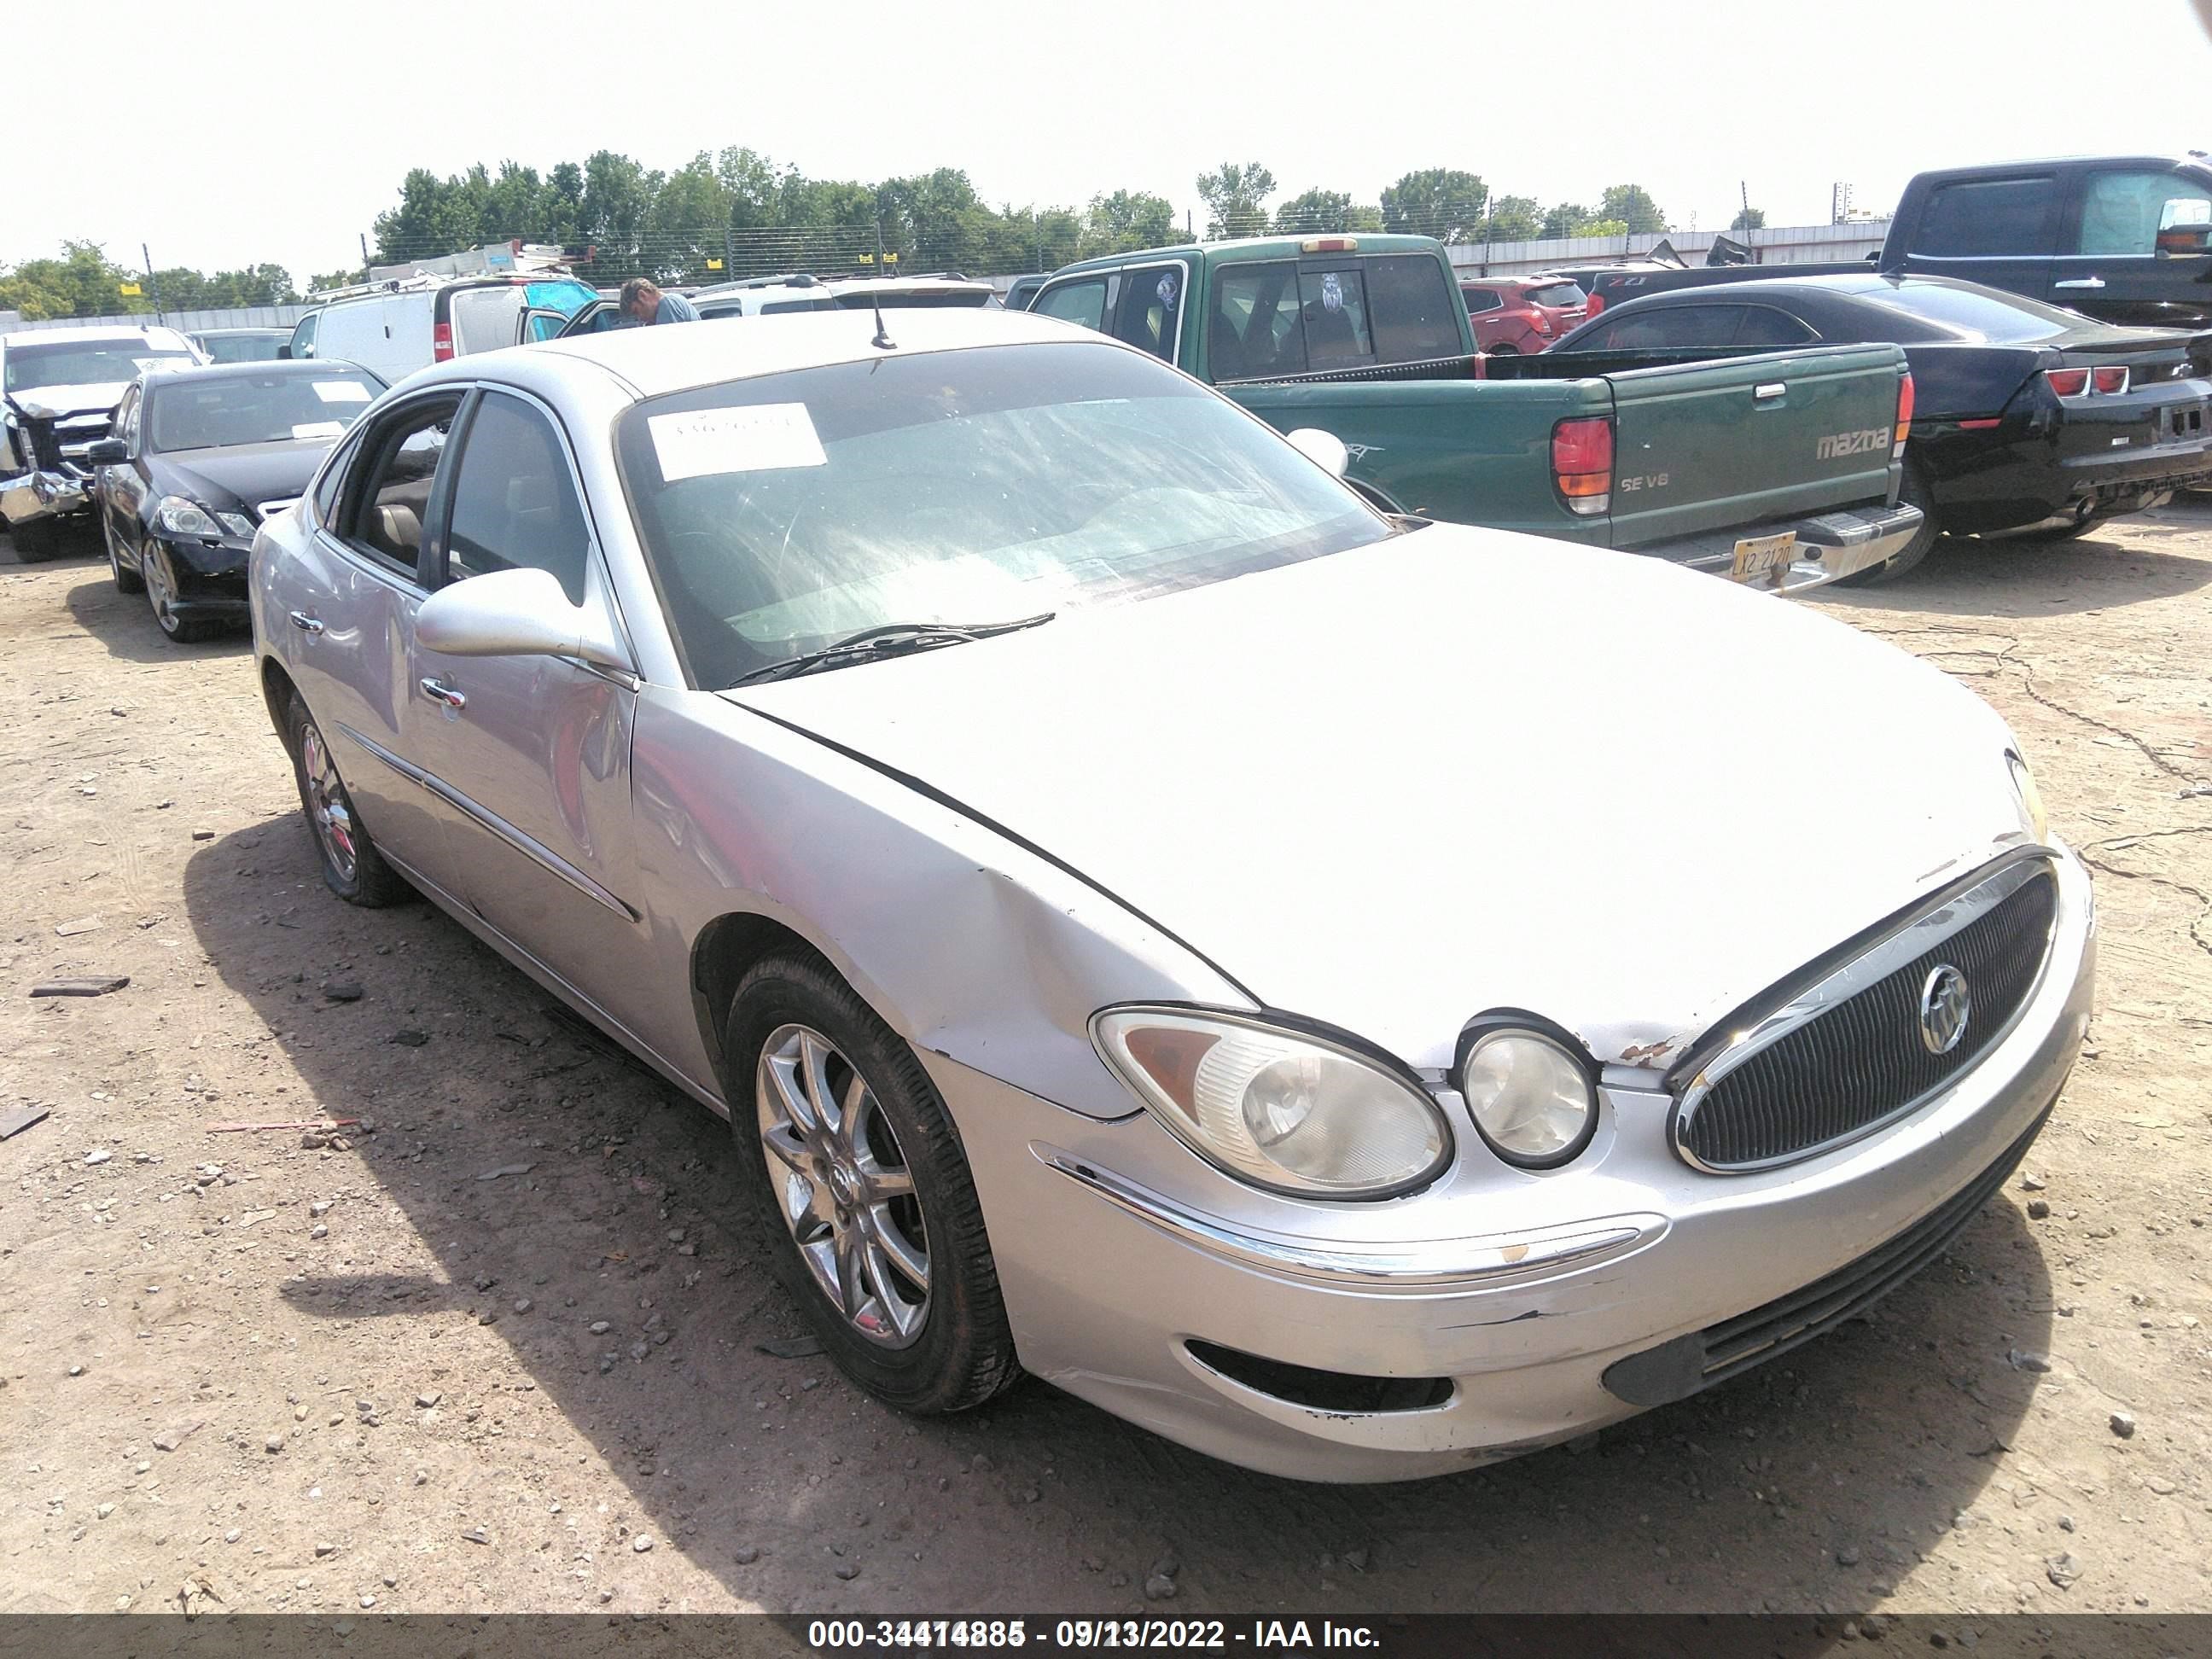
(891, 640)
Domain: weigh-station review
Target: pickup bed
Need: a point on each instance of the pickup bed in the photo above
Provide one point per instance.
(1780, 470)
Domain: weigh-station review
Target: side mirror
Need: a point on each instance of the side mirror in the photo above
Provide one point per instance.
(284, 352)
(1324, 449)
(108, 452)
(515, 613)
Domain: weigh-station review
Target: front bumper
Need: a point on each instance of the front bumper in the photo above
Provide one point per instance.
(1830, 545)
(30, 496)
(211, 577)
(1503, 1298)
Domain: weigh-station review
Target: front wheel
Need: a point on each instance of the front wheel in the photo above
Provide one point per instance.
(159, 578)
(1913, 492)
(352, 867)
(863, 1196)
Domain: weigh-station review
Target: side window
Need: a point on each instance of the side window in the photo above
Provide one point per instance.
(1255, 326)
(1151, 301)
(1989, 218)
(1480, 299)
(303, 334)
(1600, 338)
(1083, 302)
(543, 326)
(388, 505)
(333, 479)
(1763, 326)
(1675, 328)
(2133, 213)
(514, 503)
(1413, 316)
(1334, 304)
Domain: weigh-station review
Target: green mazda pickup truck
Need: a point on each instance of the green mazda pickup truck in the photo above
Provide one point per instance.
(1778, 471)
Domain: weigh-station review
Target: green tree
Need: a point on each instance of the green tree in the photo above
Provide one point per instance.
(1235, 199)
(1440, 201)
(1632, 205)
(1125, 222)
(1514, 219)
(82, 283)
(617, 209)
(689, 215)
(1321, 209)
(1749, 218)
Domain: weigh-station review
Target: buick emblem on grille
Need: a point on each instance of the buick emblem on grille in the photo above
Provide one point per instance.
(1945, 1007)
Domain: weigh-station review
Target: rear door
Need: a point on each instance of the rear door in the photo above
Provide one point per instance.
(2000, 230)
(2136, 247)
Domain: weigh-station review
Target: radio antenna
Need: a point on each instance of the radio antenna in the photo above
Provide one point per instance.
(883, 342)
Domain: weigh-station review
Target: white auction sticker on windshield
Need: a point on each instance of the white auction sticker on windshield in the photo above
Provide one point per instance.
(341, 392)
(319, 429)
(757, 438)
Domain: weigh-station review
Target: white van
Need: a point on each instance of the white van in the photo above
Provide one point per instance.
(397, 329)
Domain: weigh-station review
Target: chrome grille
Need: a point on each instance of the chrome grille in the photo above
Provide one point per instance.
(1843, 1058)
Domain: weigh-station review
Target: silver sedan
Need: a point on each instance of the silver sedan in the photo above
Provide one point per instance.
(1357, 996)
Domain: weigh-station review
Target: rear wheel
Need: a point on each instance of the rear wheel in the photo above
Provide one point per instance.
(864, 1199)
(352, 867)
(1912, 493)
(126, 581)
(1505, 351)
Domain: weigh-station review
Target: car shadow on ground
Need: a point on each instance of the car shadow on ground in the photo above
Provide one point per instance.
(80, 544)
(1970, 576)
(528, 1158)
(125, 624)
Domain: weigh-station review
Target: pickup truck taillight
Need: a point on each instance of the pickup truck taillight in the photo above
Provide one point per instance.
(441, 343)
(1904, 428)
(1582, 463)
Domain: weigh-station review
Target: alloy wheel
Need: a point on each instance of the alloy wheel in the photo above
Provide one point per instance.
(842, 1186)
(328, 808)
(161, 586)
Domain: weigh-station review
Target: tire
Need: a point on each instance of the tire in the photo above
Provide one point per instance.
(159, 583)
(126, 581)
(352, 867)
(1913, 493)
(1505, 351)
(871, 1203)
(36, 541)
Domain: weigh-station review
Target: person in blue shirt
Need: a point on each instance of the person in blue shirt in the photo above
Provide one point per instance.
(642, 301)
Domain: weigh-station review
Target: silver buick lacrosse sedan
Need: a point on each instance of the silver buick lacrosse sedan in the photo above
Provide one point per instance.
(1359, 997)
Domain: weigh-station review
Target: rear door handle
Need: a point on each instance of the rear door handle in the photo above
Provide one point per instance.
(444, 693)
(1768, 390)
(305, 623)
(2080, 282)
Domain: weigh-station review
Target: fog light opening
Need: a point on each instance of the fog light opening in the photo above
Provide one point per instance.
(1319, 1390)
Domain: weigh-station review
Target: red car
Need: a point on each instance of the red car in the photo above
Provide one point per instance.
(1517, 314)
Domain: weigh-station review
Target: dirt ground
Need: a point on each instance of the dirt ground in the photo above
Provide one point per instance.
(497, 1350)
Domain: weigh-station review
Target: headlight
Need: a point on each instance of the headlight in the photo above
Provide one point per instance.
(1534, 1100)
(1280, 1109)
(184, 517)
(237, 523)
(2030, 799)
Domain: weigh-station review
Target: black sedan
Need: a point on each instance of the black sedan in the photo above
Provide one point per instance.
(197, 458)
(2025, 415)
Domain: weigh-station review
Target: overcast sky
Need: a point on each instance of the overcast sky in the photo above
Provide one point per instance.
(225, 134)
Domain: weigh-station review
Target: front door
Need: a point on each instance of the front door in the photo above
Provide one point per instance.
(2136, 248)
(533, 753)
(2001, 231)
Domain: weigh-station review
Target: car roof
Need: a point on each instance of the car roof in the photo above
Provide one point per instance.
(1981, 169)
(676, 357)
(298, 369)
(1255, 247)
(46, 336)
(232, 333)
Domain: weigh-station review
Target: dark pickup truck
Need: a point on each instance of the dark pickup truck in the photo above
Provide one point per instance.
(1779, 470)
(2124, 239)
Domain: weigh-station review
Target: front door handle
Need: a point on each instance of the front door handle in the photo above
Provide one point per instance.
(438, 692)
(1767, 391)
(2080, 282)
(305, 623)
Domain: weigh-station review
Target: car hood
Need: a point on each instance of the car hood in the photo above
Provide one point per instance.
(1459, 770)
(252, 473)
(54, 402)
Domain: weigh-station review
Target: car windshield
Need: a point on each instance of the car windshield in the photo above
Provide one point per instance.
(1972, 312)
(230, 409)
(73, 362)
(243, 348)
(787, 512)
(911, 299)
